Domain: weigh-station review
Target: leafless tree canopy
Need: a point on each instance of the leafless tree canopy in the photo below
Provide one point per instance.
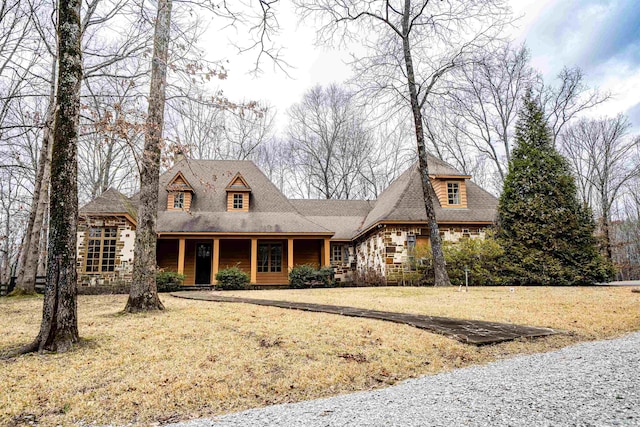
(605, 159)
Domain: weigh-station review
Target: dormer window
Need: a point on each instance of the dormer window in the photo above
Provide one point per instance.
(453, 193)
(178, 201)
(180, 194)
(238, 200)
(238, 192)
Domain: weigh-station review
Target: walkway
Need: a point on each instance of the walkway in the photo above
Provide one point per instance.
(476, 332)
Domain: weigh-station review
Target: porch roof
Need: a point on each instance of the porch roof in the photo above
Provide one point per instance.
(237, 222)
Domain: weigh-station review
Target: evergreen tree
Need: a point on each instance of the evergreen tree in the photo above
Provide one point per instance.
(547, 234)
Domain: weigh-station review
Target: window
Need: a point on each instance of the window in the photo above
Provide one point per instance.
(336, 253)
(411, 244)
(269, 258)
(453, 193)
(178, 201)
(101, 250)
(238, 200)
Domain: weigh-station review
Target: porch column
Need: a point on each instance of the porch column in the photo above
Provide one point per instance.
(326, 258)
(254, 261)
(290, 253)
(216, 260)
(181, 245)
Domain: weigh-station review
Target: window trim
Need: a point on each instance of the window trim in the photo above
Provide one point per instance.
(178, 200)
(238, 201)
(100, 267)
(271, 266)
(452, 195)
(337, 249)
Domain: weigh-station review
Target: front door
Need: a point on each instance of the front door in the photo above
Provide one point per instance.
(203, 264)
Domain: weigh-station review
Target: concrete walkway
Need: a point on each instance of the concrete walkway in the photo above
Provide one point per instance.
(476, 332)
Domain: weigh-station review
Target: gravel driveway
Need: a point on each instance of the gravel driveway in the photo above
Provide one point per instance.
(590, 384)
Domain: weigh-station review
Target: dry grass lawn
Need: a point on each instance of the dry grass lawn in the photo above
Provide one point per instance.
(201, 358)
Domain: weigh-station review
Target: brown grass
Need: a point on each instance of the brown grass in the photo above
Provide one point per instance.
(202, 359)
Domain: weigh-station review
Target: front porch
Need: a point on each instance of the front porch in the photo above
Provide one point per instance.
(266, 259)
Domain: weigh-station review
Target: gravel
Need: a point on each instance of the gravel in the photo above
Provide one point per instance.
(590, 384)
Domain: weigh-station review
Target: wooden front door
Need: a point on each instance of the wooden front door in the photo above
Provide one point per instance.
(203, 264)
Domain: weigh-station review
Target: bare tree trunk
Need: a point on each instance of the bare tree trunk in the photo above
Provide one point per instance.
(41, 269)
(26, 281)
(606, 227)
(59, 327)
(441, 277)
(143, 295)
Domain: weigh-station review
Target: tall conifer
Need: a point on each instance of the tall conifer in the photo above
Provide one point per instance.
(546, 232)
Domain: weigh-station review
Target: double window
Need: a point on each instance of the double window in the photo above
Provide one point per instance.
(238, 200)
(453, 193)
(269, 257)
(101, 250)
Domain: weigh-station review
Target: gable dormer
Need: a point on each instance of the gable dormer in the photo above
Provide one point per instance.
(180, 193)
(238, 192)
(451, 190)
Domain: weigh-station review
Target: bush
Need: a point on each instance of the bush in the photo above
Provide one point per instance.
(484, 259)
(168, 281)
(307, 276)
(369, 277)
(232, 278)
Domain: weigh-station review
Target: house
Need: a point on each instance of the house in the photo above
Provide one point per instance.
(214, 214)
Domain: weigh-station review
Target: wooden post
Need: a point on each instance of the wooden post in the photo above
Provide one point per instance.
(254, 261)
(326, 260)
(181, 244)
(290, 253)
(215, 262)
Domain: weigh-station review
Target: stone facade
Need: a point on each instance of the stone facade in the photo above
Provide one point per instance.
(386, 251)
(344, 269)
(125, 240)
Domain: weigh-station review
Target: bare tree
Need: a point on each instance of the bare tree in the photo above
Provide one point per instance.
(412, 45)
(59, 327)
(329, 141)
(143, 295)
(486, 99)
(565, 102)
(604, 159)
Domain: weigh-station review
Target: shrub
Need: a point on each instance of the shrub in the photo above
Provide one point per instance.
(232, 278)
(168, 281)
(307, 276)
(483, 258)
(369, 277)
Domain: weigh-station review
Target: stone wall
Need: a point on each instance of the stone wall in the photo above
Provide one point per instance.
(344, 270)
(386, 251)
(125, 240)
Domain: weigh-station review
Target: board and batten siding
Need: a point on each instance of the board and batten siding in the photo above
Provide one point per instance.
(167, 254)
(235, 252)
(307, 251)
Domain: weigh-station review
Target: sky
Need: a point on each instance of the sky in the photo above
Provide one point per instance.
(602, 37)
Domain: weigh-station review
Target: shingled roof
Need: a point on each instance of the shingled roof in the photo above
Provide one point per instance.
(110, 202)
(342, 216)
(269, 210)
(403, 201)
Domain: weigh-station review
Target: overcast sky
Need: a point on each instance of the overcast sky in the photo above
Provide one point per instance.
(600, 36)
